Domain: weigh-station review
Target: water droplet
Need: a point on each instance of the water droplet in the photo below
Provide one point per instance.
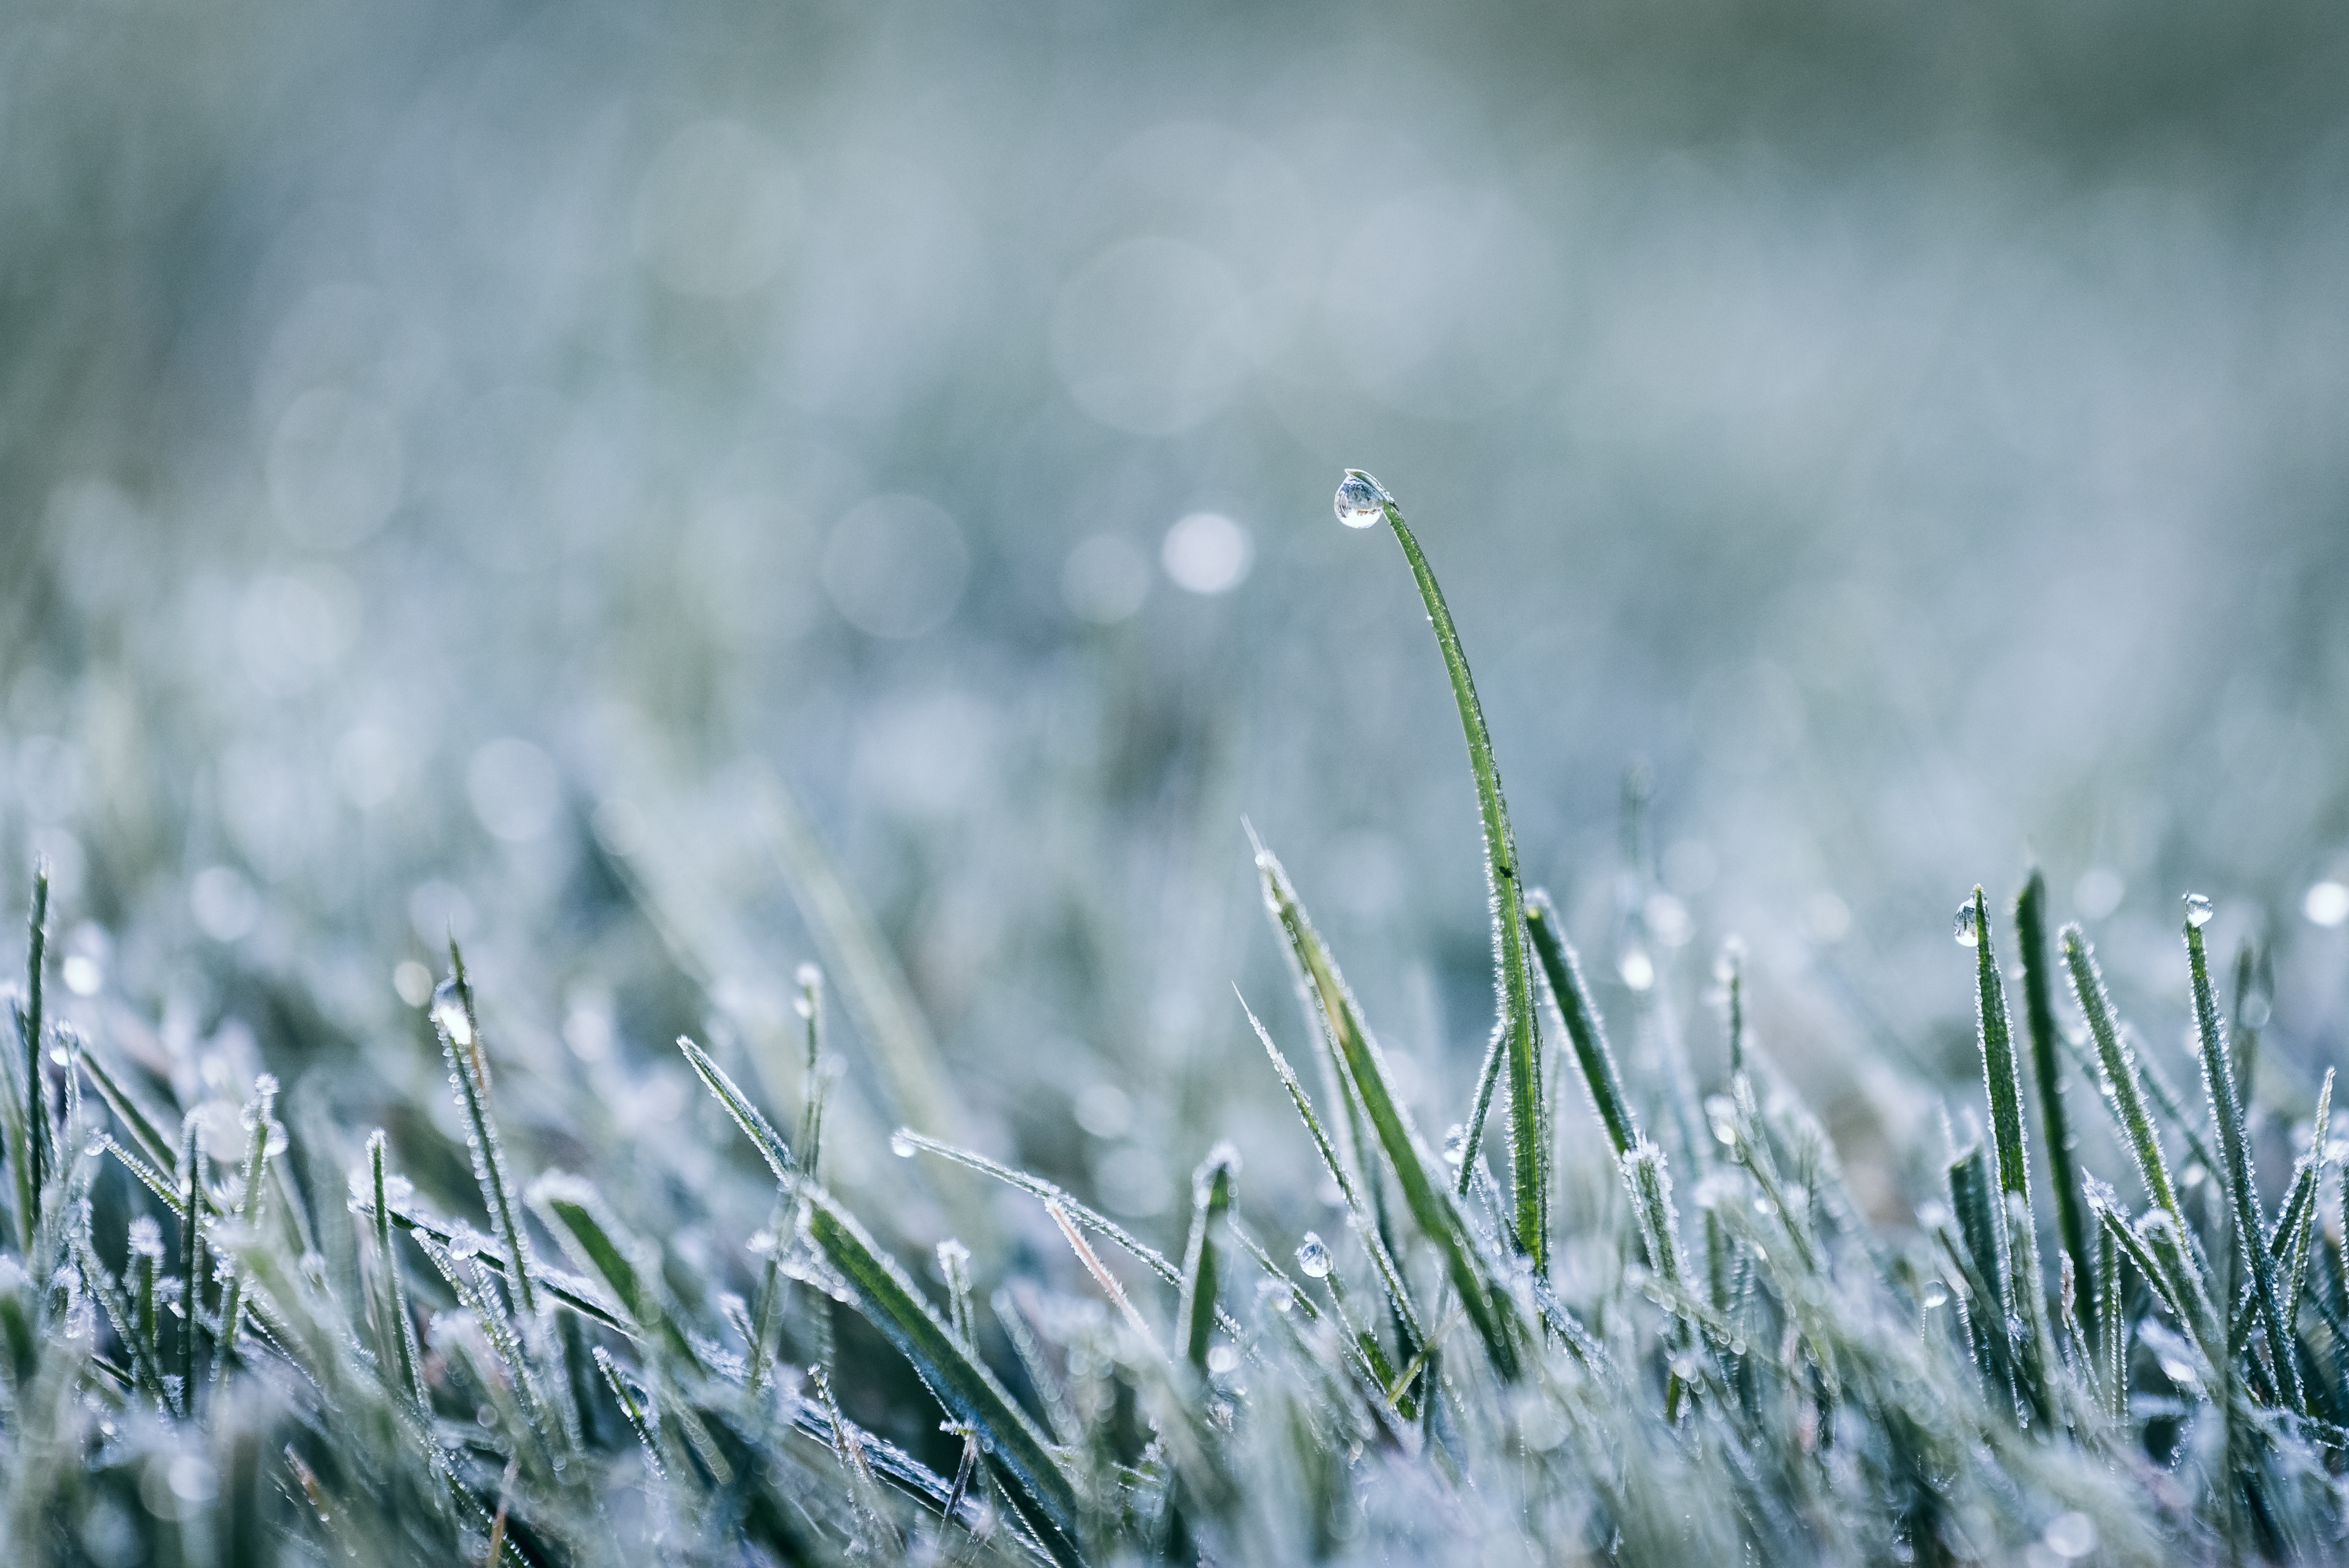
(902, 1144)
(1361, 501)
(1639, 970)
(1222, 1358)
(2198, 910)
(1313, 1257)
(1455, 1144)
(1731, 959)
(1963, 928)
(2256, 1011)
(2179, 1372)
(2071, 1535)
(1936, 1294)
(2191, 1177)
(1278, 1293)
(449, 1013)
(2327, 902)
(1722, 1111)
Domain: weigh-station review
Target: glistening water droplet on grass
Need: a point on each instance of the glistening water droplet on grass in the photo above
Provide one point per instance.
(1361, 501)
(1313, 1256)
(2198, 910)
(1967, 932)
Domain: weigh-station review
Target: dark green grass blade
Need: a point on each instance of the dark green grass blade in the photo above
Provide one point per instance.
(747, 1115)
(144, 1133)
(31, 1148)
(1211, 1202)
(2119, 1063)
(469, 1063)
(888, 1300)
(2226, 1110)
(1562, 974)
(2002, 1076)
(1433, 1207)
(1520, 1037)
(2047, 1068)
(400, 1327)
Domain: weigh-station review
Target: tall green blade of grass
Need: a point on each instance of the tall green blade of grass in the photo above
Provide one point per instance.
(2047, 1068)
(400, 1327)
(889, 1301)
(1433, 1206)
(2227, 1110)
(2119, 1063)
(31, 1112)
(1562, 975)
(1519, 1041)
(1211, 1203)
(460, 1028)
(248, 1216)
(2025, 1283)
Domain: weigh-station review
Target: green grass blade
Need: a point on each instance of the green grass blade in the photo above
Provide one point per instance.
(2047, 1070)
(1579, 1017)
(1211, 1202)
(2002, 1076)
(400, 1325)
(905, 1140)
(1390, 1277)
(889, 1301)
(33, 1111)
(248, 1216)
(459, 1024)
(2120, 1074)
(1433, 1206)
(1520, 1039)
(2297, 1279)
(2227, 1110)
(747, 1115)
(143, 1131)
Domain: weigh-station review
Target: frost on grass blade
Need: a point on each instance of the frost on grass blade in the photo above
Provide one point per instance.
(888, 1300)
(1211, 1193)
(1518, 1040)
(1433, 1207)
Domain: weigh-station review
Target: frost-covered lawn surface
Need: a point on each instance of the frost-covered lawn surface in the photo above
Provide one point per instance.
(465, 1294)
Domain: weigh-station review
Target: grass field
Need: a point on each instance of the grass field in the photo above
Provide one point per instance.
(1607, 1316)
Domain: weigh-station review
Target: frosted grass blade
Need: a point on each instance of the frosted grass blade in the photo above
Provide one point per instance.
(2002, 1076)
(400, 1327)
(2227, 1110)
(2119, 1063)
(248, 1215)
(747, 1115)
(1211, 1202)
(888, 1300)
(908, 1140)
(1519, 1038)
(2047, 1070)
(144, 1133)
(1433, 1206)
(1391, 1278)
(1562, 975)
(459, 1024)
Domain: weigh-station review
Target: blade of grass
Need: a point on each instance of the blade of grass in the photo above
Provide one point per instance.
(1433, 1206)
(144, 1133)
(2227, 1110)
(459, 1024)
(400, 1327)
(2120, 1074)
(2047, 1068)
(1391, 1278)
(2002, 1076)
(33, 1154)
(1520, 1034)
(1211, 1201)
(248, 1216)
(1579, 1017)
(889, 1301)
(905, 1140)
(747, 1115)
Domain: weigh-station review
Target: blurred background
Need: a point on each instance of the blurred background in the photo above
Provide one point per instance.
(471, 468)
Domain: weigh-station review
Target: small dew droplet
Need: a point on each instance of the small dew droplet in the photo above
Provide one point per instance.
(2192, 1176)
(1936, 1294)
(1361, 502)
(1455, 1145)
(1639, 970)
(2198, 910)
(1313, 1257)
(1964, 928)
(902, 1144)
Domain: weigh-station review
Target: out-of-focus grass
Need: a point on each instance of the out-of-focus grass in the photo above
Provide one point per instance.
(338, 1366)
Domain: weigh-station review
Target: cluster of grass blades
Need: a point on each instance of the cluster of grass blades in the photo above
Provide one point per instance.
(216, 1363)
